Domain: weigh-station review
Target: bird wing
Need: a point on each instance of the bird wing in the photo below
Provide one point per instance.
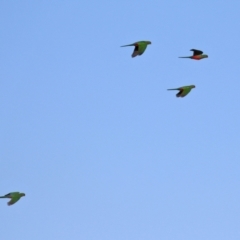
(136, 50)
(179, 94)
(13, 200)
(196, 52)
(142, 47)
(183, 92)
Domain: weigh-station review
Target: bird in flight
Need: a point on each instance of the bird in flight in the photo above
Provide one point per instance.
(140, 47)
(197, 55)
(183, 91)
(14, 196)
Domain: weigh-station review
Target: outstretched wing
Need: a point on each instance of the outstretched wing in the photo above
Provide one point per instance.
(179, 94)
(196, 52)
(13, 200)
(142, 47)
(183, 92)
(136, 50)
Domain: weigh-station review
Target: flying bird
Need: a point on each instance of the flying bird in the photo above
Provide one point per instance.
(183, 91)
(14, 196)
(140, 47)
(197, 55)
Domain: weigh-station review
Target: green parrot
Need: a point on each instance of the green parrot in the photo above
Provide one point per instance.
(140, 47)
(197, 55)
(14, 196)
(183, 91)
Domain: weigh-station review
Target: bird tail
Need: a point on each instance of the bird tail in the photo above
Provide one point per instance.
(173, 89)
(128, 45)
(184, 57)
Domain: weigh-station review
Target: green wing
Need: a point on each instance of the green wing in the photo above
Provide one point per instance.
(14, 196)
(183, 92)
(139, 49)
(14, 199)
(142, 47)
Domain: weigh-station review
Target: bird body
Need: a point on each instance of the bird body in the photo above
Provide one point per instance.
(197, 55)
(14, 196)
(140, 47)
(183, 91)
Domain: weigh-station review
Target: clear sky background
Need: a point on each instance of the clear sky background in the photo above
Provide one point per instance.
(102, 150)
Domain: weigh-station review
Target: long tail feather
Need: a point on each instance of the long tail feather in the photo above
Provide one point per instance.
(128, 45)
(173, 89)
(184, 57)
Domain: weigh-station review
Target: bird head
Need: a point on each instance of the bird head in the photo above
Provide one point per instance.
(148, 42)
(205, 56)
(23, 194)
(193, 86)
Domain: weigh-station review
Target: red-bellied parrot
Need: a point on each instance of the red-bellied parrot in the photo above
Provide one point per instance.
(197, 55)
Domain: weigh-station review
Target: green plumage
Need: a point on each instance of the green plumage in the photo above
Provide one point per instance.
(140, 47)
(183, 91)
(14, 196)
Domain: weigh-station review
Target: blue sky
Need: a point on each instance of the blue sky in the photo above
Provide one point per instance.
(100, 147)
